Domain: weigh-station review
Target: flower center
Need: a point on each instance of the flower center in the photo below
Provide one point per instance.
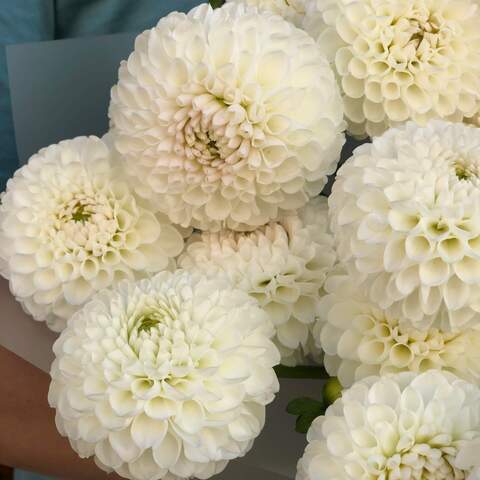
(213, 134)
(78, 209)
(149, 321)
(423, 30)
(465, 170)
(417, 38)
(155, 319)
(202, 145)
(81, 213)
(164, 340)
(84, 224)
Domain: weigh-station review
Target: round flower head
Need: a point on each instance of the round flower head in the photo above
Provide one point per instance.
(406, 215)
(71, 225)
(467, 458)
(291, 10)
(166, 378)
(360, 339)
(403, 426)
(227, 116)
(400, 60)
(283, 265)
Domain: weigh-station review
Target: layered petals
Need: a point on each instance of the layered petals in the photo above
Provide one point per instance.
(166, 378)
(228, 117)
(71, 224)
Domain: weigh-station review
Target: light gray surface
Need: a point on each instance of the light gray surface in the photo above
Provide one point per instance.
(20, 334)
(279, 447)
(240, 471)
(61, 89)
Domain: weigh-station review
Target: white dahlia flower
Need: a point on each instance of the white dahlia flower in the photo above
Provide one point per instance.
(468, 458)
(359, 339)
(399, 427)
(283, 265)
(291, 10)
(400, 60)
(71, 225)
(405, 212)
(227, 116)
(166, 378)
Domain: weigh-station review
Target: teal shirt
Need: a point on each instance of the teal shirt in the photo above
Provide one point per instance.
(23, 21)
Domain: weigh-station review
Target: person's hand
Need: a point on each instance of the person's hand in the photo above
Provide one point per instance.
(28, 437)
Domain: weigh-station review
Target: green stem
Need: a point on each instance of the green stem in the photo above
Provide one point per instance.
(217, 3)
(301, 372)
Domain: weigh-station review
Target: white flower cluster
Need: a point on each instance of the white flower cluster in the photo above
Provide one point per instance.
(70, 225)
(165, 378)
(403, 426)
(405, 213)
(360, 339)
(230, 121)
(283, 265)
(291, 10)
(411, 59)
(403, 300)
(227, 116)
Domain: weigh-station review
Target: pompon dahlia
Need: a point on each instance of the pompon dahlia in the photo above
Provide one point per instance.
(403, 426)
(291, 10)
(166, 378)
(468, 458)
(359, 339)
(227, 116)
(71, 225)
(405, 213)
(400, 60)
(283, 265)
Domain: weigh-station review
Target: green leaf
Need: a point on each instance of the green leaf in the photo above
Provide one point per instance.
(216, 3)
(307, 410)
(305, 421)
(310, 372)
(302, 405)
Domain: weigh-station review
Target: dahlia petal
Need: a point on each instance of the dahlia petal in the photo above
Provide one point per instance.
(145, 468)
(77, 291)
(123, 445)
(167, 452)
(146, 432)
(107, 455)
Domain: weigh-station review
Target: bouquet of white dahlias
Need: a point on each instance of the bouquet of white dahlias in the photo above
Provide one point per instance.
(190, 258)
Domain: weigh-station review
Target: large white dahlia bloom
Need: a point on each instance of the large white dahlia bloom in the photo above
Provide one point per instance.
(227, 116)
(166, 378)
(403, 426)
(283, 265)
(70, 225)
(291, 10)
(406, 215)
(468, 458)
(400, 60)
(359, 339)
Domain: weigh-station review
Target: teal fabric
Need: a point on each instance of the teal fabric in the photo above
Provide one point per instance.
(21, 475)
(20, 21)
(23, 21)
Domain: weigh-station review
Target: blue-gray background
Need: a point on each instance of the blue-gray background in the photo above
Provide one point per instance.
(23, 21)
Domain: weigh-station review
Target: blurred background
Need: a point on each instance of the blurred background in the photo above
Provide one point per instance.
(26, 21)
